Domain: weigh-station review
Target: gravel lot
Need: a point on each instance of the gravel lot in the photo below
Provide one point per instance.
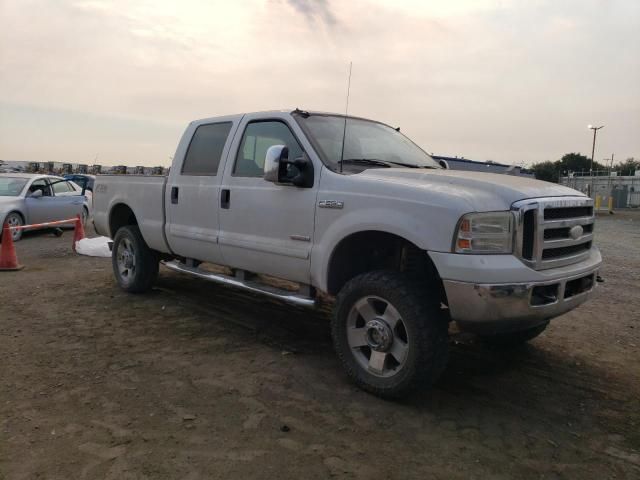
(197, 381)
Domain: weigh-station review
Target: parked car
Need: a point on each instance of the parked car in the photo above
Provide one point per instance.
(27, 199)
(82, 180)
(401, 243)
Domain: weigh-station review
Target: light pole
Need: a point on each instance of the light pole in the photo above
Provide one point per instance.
(593, 148)
(593, 151)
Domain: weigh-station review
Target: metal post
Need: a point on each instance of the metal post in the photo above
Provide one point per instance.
(609, 180)
(593, 151)
(593, 148)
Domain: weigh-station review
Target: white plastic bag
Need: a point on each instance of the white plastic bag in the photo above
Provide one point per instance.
(94, 247)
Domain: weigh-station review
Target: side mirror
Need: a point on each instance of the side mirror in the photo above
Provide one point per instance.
(279, 169)
(274, 161)
(35, 194)
(444, 164)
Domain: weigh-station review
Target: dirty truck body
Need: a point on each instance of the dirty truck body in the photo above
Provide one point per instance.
(404, 245)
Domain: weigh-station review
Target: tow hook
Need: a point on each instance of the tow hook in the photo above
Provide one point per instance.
(599, 279)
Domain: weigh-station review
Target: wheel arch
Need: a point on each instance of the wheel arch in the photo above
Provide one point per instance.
(368, 250)
(120, 215)
(19, 212)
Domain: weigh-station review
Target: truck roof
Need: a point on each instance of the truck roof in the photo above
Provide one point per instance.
(237, 116)
(266, 113)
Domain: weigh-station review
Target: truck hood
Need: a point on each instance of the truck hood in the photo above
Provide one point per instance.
(482, 191)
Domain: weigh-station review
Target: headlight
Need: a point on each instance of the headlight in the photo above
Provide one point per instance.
(490, 232)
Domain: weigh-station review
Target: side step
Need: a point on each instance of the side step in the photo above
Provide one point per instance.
(249, 285)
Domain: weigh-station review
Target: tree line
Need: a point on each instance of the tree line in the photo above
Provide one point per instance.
(576, 163)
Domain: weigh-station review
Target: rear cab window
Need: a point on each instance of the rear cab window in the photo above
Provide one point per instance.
(205, 149)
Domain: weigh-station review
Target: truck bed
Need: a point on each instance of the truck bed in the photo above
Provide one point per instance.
(144, 194)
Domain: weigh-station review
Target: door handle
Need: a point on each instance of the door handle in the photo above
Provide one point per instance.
(225, 198)
(174, 195)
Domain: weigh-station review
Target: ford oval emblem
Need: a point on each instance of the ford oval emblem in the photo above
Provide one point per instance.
(576, 232)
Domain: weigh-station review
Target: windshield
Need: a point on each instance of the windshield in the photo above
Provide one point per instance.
(364, 140)
(11, 186)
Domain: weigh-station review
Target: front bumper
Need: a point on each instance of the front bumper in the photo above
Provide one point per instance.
(487, 304)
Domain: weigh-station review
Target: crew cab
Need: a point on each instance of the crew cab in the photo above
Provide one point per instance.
(353, 211)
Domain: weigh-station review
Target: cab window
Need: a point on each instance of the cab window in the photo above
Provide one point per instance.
(205, 150)
(256, 140)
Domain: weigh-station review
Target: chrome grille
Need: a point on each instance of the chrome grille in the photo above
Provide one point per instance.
(544, 228)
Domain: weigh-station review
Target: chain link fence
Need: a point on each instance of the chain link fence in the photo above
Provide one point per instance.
(621, 191)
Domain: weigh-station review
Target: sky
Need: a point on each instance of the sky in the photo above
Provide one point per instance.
(513, 81)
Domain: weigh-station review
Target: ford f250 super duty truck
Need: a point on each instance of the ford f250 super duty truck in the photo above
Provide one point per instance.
(350, 209)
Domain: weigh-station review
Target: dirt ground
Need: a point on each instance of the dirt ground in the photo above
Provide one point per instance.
(197, 381)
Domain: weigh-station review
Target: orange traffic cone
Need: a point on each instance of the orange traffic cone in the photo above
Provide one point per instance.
(78, 232)
(8, 257)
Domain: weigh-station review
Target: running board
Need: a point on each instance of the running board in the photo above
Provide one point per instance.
(249, 285)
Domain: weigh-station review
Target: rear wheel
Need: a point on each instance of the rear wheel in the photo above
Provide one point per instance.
(14, 219)
(514, 339)
(135, 265)
(390, 336)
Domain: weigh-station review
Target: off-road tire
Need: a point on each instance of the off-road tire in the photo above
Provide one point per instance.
(425, 322)
(145, 271)
(509, 340)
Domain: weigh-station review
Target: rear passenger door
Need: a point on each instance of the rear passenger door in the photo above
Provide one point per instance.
(67, 203)
(193, 189)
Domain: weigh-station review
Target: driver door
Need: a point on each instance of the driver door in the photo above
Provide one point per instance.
(266, 227)
(39, 209)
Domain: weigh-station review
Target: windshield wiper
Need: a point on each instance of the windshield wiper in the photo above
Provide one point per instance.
(409, 165)
(367, 161)
(382, 163)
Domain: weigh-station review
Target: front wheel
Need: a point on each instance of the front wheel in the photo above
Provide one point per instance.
(14, 219)
(135, 265)
(390, 336)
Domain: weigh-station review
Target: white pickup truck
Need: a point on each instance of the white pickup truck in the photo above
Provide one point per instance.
(351, 209)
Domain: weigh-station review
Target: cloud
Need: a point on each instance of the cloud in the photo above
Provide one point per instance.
(519, 81)
(313, 9)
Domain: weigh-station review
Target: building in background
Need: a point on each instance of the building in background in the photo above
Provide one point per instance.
(60, 168)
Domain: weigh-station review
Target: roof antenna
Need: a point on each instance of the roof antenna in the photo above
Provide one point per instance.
(346, 110)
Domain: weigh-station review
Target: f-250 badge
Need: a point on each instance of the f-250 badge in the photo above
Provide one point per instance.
(330, 204)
